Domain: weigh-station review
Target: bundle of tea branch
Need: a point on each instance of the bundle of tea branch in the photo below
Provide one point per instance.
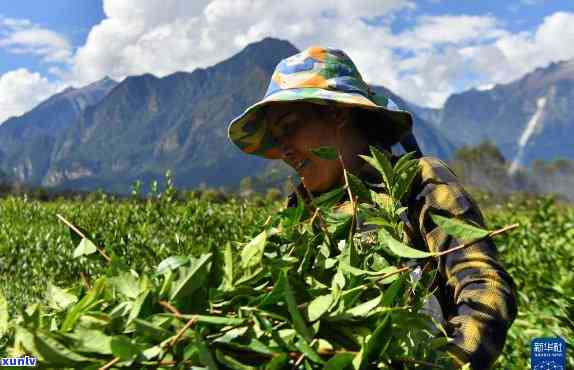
(302, 294)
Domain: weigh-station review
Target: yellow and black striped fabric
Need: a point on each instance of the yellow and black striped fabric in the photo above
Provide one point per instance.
(477, 296)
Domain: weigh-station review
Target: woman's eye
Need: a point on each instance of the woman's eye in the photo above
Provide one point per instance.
(289, 127)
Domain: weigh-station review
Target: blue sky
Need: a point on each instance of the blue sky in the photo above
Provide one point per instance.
(423, 50)
(71, 18)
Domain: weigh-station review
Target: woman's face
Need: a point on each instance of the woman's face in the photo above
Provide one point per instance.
(301, 127)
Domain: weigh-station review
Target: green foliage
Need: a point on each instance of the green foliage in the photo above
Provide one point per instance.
(539, 257)
(326, 152)
(290, 292)
(460, 230)
(295, 289)
(486, 151)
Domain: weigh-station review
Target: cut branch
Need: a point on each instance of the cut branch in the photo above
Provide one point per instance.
(490, 235)
(170, 308)
(110, 364)
(81, 234)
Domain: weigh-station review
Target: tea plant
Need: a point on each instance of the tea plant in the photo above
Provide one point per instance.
(303, 293)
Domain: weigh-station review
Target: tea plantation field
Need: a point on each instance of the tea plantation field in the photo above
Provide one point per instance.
(37, 253)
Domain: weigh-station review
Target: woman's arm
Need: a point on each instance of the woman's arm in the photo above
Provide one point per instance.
(480, 294)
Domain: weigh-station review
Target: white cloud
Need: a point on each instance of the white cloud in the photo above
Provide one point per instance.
(21, 90)
(20, 36)
(513, 55)
(140, 36)
(136, 38)
(432, 31)
(445, 54)
(492, 56)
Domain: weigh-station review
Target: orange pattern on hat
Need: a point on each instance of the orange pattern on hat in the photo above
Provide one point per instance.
(303, 79)
(318, 53)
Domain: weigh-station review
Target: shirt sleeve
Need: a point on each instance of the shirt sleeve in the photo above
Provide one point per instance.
(480, 293)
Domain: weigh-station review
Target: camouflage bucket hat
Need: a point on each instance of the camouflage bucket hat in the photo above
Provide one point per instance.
(317, 75)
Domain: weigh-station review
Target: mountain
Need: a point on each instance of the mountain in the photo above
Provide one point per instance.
(26, 141)
(530, 118)
(146, 125)
(430, 139)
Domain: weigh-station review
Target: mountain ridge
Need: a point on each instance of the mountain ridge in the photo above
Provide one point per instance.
(145, 125)
(503, 114)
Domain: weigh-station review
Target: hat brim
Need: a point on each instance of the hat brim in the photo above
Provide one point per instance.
(249, 131)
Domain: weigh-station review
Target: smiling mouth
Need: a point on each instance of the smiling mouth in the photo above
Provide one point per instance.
(301, 164)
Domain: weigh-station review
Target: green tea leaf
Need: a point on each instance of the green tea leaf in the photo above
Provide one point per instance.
(380, 221)
(232, 334)
(358, 189)
(149, 329)
(298, 321)
(193, 280)
(205, 354)
(319, 306)
(126, 284)
(94, 341)
(400, 249)
(392, 292)
(365, 308)
(252, 253)
(384, 166)
(228, 281)
(340, 361)
(59, 299)
(404, 181)
(123, 348)
(54, 352)
(279, 362)
(378, 341)
(4, 315)
(404, 161)
(308, 351)
(345, 267)
(277, 294)
(459, 229)
(87, 302)
(231, 362)
(138, 304)
(86, 247)
(209, 319)
(172, 263)
(250, 278)
(76, 239)
(329, 199)
(326, 152)
(384, 201)
(151, 352)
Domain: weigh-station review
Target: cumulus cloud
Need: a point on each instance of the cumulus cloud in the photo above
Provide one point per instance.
(21, 90)
(136, 38)
(427, 61)
(20, 36)
(162, 37)
(432, 31)
(479, 55)
(511, 56)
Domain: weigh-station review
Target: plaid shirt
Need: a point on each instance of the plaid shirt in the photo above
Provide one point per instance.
(476, 294)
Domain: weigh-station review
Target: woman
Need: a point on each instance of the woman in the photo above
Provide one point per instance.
(318, 98)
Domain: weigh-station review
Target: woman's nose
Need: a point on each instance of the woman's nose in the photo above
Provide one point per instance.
(285, 148)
